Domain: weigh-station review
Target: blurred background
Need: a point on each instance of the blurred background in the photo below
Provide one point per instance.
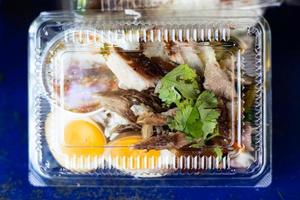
(15, 19)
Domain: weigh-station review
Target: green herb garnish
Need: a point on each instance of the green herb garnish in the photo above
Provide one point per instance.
(198, 120)
(180, 83)
(197, 112)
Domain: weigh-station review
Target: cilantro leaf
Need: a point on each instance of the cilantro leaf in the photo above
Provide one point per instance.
(170, 95)
(182, 117)
(198, 120)
(207, 100)
(206, 105)
(197, 114)
(178, 83)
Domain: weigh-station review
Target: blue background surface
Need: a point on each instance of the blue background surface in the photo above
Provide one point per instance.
(15, 18)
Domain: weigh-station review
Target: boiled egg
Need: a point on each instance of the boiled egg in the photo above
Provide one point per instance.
(120, 154)
(76, 142)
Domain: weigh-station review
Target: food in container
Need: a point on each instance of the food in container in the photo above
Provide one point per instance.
(157, 98)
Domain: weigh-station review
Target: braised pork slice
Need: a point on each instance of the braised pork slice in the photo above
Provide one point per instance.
(191, 57)
(165, 141)
(217, 81)
(170, 54)
(123, 102)
(133, 69)
(154, 119)
(124, 128)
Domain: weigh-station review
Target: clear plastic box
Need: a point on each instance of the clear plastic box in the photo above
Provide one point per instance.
(150, 95)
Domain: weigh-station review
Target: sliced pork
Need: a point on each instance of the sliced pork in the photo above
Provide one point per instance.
(133, 69)
(170, 54)
(152, 119)
(164, 141)
(217, 81)
(124, 128)
(191, 57)
(130, 103)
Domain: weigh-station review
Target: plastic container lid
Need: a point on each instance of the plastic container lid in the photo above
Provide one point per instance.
(115, 5)
(177, 100)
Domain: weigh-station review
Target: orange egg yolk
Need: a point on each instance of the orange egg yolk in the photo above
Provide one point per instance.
(83, 138)
(121, 150)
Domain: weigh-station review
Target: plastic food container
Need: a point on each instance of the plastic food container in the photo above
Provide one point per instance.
(151, 93)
